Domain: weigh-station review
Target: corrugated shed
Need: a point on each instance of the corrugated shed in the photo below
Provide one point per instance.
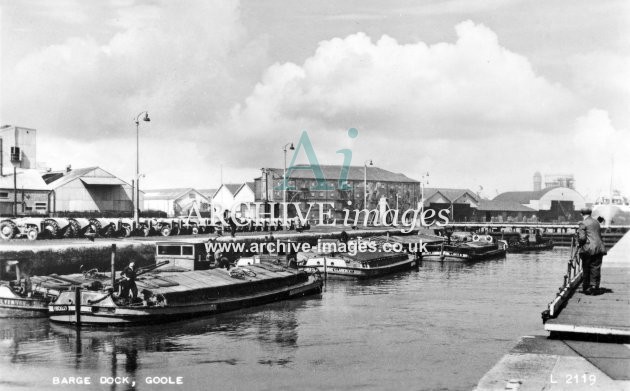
(70, 176)
(60, 178)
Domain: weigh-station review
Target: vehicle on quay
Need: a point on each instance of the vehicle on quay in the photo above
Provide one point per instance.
(183, 285)
(327, 259)
(465, 247)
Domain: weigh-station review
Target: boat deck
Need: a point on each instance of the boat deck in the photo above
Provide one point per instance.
(172, 282)
(165, 282)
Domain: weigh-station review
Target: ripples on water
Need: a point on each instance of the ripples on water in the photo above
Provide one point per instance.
(440, 327)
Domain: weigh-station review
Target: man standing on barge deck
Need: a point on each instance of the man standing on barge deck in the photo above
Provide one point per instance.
(592, 251)
(128, 282)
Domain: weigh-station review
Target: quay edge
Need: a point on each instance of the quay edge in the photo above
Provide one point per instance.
(576, 360)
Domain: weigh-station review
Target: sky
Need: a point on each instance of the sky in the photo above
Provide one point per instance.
(479, 94)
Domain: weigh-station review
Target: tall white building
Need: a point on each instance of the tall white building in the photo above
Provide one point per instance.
(25, 139)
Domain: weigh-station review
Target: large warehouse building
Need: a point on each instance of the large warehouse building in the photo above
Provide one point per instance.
(90, 189)
(395, 188)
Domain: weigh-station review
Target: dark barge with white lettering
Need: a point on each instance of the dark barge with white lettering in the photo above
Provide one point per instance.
(373, 262)
(465, 247)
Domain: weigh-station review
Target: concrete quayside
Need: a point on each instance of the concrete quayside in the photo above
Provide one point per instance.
(587, 348)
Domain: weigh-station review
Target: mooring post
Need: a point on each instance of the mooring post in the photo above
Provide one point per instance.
(112, 265)
(77, 305)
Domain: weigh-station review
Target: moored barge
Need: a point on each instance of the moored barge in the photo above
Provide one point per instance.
(363, 264)
(28, 297)
(181, 290)
(468, 248)
(15, 304)
(530, 241)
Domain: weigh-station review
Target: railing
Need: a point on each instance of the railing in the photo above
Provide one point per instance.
(572, 279)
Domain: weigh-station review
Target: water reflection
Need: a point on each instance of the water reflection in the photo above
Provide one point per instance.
(120, 352)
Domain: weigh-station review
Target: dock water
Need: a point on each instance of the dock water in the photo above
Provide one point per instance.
(587, 347)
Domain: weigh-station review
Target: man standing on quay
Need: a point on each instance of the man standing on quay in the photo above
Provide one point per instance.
(592, 251)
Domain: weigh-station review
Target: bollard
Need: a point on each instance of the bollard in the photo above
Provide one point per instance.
(77, 305)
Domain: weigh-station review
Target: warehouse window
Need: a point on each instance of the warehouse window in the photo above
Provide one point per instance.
(4, 194)
(40, 206)
(191, 196)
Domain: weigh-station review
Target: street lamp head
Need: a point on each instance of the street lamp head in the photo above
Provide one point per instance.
(292, 148)
(371, 164)
(146, 117)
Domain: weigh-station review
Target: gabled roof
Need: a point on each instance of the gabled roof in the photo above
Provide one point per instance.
(251, 186)
(69, 176)
(60, 178)
(502, 206)
(450, 194)
(355, 173)
(232, 188)
(26, 179)
(208, 193)
(166, 194)
(523, 197)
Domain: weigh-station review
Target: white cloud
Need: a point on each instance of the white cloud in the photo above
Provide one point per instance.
(188, 65)
(602, 79)
(470, 111)
(597, 145)
(403, 94)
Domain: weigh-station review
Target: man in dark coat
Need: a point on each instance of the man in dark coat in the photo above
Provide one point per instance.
(128, 282)
(592, 251)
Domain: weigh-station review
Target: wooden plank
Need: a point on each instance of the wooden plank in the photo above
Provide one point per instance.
(189, 282)
(200, 278)
(618, 323)
(586, 329)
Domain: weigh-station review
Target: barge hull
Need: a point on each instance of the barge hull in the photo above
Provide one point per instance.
(122, 316)
(437, 257)
(340, 272)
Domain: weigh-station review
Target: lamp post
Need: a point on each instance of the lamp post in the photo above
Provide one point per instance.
(365, 164)
(136, 206)
(422, 183)
(397, 197)
(284, 177)
(16, 158)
